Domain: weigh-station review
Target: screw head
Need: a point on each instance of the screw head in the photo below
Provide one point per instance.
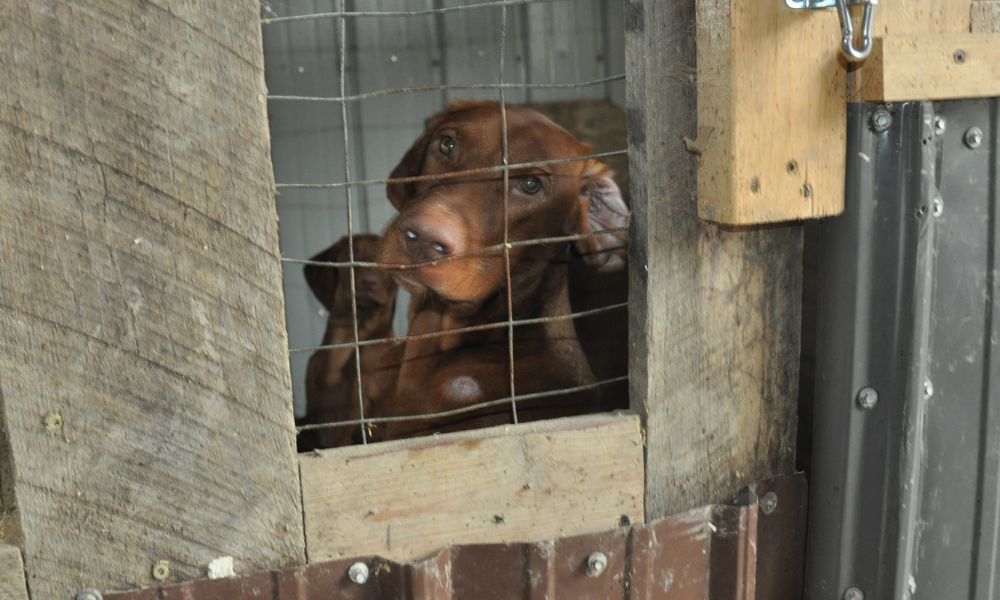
(89, 594)
(974, 137)
(853, 593)
(792, 167)
(161, 570)
(807, 190)
(881, 120)
(959, 56)
(769, 503)
(596, 563)
(928, 388)
(755, 185)
(937, 207)
(867, 397)
(358, 573)
(940, 125)
(53, 422)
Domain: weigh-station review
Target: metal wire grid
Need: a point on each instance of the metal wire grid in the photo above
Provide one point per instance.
(506, 246)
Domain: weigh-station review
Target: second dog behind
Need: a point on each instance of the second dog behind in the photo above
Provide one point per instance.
(331, 377)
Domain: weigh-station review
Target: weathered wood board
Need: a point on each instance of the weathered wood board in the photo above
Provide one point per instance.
(771, 113)
(12, 584)
(406, 499)
(985, 16)
(715, 313)
(146, 404)
(932, 66)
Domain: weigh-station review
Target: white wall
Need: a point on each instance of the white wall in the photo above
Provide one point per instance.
(547, 42)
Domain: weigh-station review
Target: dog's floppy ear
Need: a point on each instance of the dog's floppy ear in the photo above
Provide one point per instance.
(322, 280)
(602, 207)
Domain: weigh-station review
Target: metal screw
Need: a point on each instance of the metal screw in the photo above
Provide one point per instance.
(755, 185)
(89, 594)
(358, 573)
(974, 137)
(867, 397)
(937, 207)
(940, 125)
(807, 191)
(792, 167)
(53, 422)
(928, 388)
(853, 593)
(959, 56)
(596, 563)
(881, 120)
(769, 503)
(161, 570)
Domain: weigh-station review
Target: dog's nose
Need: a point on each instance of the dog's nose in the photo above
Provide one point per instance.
(426, 238)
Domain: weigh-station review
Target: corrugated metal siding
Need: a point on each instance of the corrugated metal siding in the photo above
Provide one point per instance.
(905, 494)
(748, 552)
(558, 41)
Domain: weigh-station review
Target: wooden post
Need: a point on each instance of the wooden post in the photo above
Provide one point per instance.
(715, 313)
(146, 402)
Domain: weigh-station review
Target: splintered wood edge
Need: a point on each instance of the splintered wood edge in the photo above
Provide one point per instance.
(931, 66)
(520, 483)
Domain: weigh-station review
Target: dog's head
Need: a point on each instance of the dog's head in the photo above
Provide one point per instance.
(462, 214)
(374, 289)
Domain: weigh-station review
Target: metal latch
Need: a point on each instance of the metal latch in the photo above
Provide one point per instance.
(852, 52)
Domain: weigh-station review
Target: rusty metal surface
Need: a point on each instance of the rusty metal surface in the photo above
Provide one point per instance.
(715, 552)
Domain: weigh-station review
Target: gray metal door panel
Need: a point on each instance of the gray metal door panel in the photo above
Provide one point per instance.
(904, 495)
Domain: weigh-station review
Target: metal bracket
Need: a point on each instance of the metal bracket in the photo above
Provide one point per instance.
(852, 52)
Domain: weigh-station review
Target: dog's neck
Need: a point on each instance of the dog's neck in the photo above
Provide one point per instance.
(538, 294)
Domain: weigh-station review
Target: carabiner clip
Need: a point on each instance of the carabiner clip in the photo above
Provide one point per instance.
(847, 30)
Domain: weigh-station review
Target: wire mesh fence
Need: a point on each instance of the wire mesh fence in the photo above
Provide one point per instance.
(505, 168)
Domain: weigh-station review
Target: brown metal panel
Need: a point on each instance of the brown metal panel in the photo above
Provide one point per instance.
(781, 537)
(748, 552)
(669, 558)
(733, 568)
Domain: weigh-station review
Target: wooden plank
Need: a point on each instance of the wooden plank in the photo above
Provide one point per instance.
(932, 66)
(986, 16)
(145, 403)
(715, 313)
(906, 18)
(403, 500)
(12, 584)
(771, 112)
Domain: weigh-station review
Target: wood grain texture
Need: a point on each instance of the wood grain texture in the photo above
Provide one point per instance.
(715, 313)
(985, 16)
(146, 404)
(12, 585)
(404, 500)
(924, 66)
(905, 18)
(771, 112)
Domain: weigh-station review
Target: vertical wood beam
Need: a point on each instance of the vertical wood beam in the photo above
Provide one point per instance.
(145, 401)
(985, 17)
(715, 313)
(12, 585)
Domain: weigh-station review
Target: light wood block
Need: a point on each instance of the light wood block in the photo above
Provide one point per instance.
(406, 499)
(932, 66)
(12, 583)
(771, 113)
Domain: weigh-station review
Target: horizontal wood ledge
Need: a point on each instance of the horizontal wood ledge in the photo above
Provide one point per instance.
(404, 500)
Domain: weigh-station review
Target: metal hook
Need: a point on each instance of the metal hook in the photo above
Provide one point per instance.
(852, 53)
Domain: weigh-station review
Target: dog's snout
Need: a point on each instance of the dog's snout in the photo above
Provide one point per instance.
(430, 237)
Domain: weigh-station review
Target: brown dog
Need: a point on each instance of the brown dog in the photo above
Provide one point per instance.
(455, 216)
(331, 378)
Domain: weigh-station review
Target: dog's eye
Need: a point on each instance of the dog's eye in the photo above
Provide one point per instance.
(531, 185)
(447, 145)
